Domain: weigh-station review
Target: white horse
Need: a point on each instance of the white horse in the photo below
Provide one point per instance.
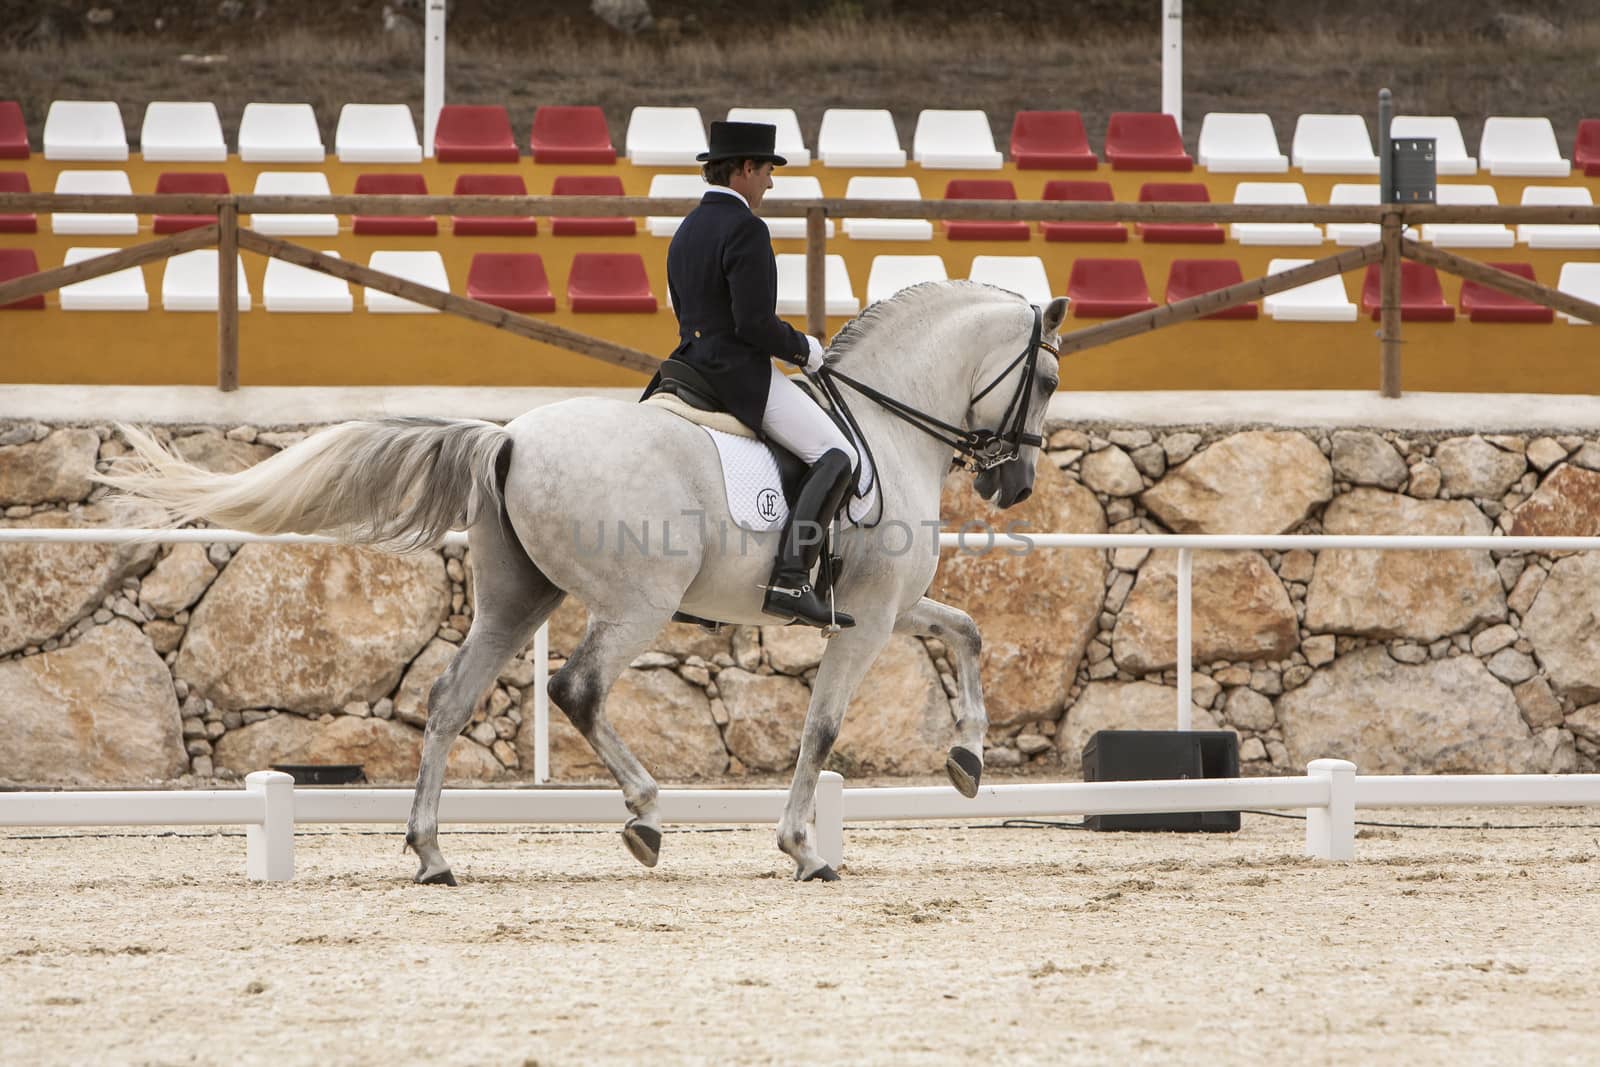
(970, 369)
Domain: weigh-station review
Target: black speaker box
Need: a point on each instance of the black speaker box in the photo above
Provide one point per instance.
(1153, 755)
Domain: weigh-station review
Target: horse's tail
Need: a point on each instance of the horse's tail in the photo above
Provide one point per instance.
(398, 482)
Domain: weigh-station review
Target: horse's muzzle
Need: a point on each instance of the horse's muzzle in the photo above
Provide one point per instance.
(1007, 485)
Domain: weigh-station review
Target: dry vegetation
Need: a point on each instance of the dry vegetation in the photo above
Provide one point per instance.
(1537, 64)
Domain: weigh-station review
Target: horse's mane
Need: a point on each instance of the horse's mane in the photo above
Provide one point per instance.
(912, 298)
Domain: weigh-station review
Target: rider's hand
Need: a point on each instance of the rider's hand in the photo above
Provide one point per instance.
(814, 359)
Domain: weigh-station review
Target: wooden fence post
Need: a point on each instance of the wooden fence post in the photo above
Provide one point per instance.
(816, 273)
(228, 297)
(1389, 277)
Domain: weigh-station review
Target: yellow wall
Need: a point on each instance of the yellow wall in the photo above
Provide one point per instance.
(159, 347)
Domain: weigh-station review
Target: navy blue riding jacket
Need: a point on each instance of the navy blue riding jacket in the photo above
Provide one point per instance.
(723, 279)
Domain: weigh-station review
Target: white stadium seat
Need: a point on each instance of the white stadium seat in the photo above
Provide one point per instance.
(665, 136)
(1357, 233)
(1233, 143)
(182, 132)
(789, 143)
(85, 130)
(1449, 150)
(189, 282)
(288, 287)
(794, 187)
(1468, 235)
(1023, 275)
(1581, 280)
(376, 133)
(867, 188)
(859, 137)
(280, 133)
(1319, 301)
(92, 183)
(1273, 233)
(424, 268)
(1558, 235)
(890, 274)
(121, 290)
(672, 187)
(1333, 144)
(1521, 148)
(838, 295)
(294, 183)
(954, 140)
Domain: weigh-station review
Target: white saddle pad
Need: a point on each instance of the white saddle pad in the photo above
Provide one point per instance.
(755, 492)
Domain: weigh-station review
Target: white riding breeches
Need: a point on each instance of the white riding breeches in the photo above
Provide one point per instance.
(794, 421)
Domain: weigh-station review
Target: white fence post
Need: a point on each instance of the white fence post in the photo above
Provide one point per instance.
(1185, 638)
(830, 817)
(269, 847)
(1331, 831)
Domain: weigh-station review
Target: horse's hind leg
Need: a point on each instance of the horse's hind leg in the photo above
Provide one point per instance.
(929, 618)
(579, 689)
(513, 597)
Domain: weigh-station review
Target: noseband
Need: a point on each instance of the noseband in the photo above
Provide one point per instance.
(980, 450)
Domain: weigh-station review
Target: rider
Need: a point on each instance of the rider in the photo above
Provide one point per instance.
(723, 280)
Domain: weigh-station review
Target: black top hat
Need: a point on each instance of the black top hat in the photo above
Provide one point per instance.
(742, 140)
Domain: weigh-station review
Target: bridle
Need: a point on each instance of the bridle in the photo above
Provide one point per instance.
(980, 450)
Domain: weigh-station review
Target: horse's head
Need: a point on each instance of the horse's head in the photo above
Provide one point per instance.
(1011, 395)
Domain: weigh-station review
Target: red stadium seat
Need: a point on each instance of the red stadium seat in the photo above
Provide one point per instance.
(1586, 149)
(590, 185)
(1051, 140)
(1191, 277)
(15, 181)
(492, 225)
(1193, 233)
(474, 134)
(1421, 298)
(1081, 231)
(609, 282)
(394, 225)
(1108, 288)
(513, 280)
(977, 229)
(199, 182)
(571, 135)
(1483, 304)
(1140, 140)
(13, 131)
(15, 263)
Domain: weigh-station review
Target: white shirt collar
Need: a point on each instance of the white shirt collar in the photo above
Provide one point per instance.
(731, 192)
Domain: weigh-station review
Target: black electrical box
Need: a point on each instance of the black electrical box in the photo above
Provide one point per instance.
(1156, 755)
(1415, 170)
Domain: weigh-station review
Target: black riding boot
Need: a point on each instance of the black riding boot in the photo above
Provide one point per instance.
(789, 594)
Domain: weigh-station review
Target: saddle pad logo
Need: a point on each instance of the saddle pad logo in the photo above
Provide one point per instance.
(768, 504)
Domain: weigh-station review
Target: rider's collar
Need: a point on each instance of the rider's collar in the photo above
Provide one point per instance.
(731, 192)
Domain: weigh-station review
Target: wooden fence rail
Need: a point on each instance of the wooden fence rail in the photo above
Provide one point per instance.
(228, 237)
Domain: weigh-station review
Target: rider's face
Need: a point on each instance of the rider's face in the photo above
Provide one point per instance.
(752, 182)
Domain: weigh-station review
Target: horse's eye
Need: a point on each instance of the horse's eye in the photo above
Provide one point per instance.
(1051, 385)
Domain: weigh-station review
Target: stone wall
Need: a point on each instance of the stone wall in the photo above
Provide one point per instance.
(121, 665)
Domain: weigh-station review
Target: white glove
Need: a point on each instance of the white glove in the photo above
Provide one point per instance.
(814, 359)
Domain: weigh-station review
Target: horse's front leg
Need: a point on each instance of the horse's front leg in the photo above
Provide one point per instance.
(929, 618)
(845, 663)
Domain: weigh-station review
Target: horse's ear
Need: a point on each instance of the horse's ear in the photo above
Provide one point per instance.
(1054, 315)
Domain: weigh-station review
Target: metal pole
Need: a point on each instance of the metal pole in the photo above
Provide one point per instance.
(432, 73)
(541, 705)
(1185, 628)
(1389, 269)
(1385, 155)
(228, 297)
(1172, 60)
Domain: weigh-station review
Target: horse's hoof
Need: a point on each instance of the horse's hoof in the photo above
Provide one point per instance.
(965, 771)
(643, 841)
(443, 877)
(825, 873)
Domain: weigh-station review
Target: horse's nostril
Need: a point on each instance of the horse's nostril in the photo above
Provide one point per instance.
(1025, 494)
